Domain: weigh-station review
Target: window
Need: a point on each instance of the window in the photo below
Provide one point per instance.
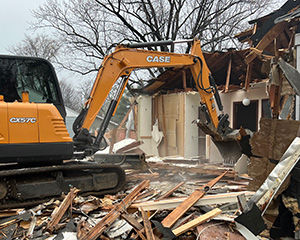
(34, 76)
(246, 116)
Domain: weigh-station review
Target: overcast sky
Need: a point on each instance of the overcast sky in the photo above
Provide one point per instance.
(14, 18)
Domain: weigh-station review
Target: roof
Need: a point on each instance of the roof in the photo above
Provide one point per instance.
(171, 80)
(289, 11)
(280, 25)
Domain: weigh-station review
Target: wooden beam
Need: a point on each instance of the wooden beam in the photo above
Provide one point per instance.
(60, 211)
(169, 193)
(170, 220)
(172, 203)
(194, 223)
(266, 40)
(184, 79)
(193, 169)
(127, 114)
(105, 222)
(248, 77)
(147, 225)
(228, 73)
(135, 224)
(242, 201)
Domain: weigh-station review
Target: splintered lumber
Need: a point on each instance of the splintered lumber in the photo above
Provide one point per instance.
(66, 203)
(189, 202)
(169, 193)
(171, 203)
(194, 223)
(105, 222)
(135, 224)
(147, 225)
(193, 169)
(266, 40)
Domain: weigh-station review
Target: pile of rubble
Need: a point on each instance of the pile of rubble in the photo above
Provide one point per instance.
(199, 203)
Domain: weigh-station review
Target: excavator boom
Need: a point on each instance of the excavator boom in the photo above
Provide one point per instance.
(126, 58)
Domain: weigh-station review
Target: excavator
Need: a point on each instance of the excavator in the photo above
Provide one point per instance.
(39, 160)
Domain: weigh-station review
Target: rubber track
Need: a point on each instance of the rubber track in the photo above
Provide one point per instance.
(12, 173)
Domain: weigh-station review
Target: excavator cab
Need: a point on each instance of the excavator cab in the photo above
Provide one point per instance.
(34, 75)
(34, 141)
(32, 113)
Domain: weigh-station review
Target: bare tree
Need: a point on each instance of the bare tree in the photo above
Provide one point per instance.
(39, 46)
(71, 96)
(90, 28)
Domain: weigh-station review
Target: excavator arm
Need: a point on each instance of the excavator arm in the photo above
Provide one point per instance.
(121, 62)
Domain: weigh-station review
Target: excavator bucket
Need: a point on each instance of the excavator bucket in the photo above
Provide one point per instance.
(231, 144)
(229, 150)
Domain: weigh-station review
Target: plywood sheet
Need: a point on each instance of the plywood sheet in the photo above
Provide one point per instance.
(171, 132)
(171, 106)
(270, 143)
(274, 137)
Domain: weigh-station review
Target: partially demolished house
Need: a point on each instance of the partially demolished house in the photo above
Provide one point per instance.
(174, 121)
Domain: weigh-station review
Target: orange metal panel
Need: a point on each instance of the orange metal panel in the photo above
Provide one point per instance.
(52, 127)
(22, 122)
(4, 123)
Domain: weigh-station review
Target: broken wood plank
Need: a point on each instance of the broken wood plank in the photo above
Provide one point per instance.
(146, 194)
(10, 212)
(248, 77)
(66, 203)
(134, 177)
(127, 114)
(147, 225)
(266, 40)
(242, 201)
(105, 222)
(170, 192)
(228, 73)
(189, 202)
(194, 223)
(132, 221)
(129, 146)
(172, 203)
(193, 169)
(184, 220)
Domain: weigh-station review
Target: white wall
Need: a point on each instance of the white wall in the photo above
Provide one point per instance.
(192, 100)
(257, 92)
(145, 125)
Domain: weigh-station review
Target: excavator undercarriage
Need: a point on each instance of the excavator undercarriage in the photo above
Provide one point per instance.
(29, 186)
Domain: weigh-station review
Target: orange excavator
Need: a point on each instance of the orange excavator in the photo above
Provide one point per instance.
(36, 150)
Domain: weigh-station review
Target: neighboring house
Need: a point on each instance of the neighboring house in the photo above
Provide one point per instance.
(72, 115)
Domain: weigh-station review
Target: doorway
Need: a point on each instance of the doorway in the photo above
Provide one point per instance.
(245, 116)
